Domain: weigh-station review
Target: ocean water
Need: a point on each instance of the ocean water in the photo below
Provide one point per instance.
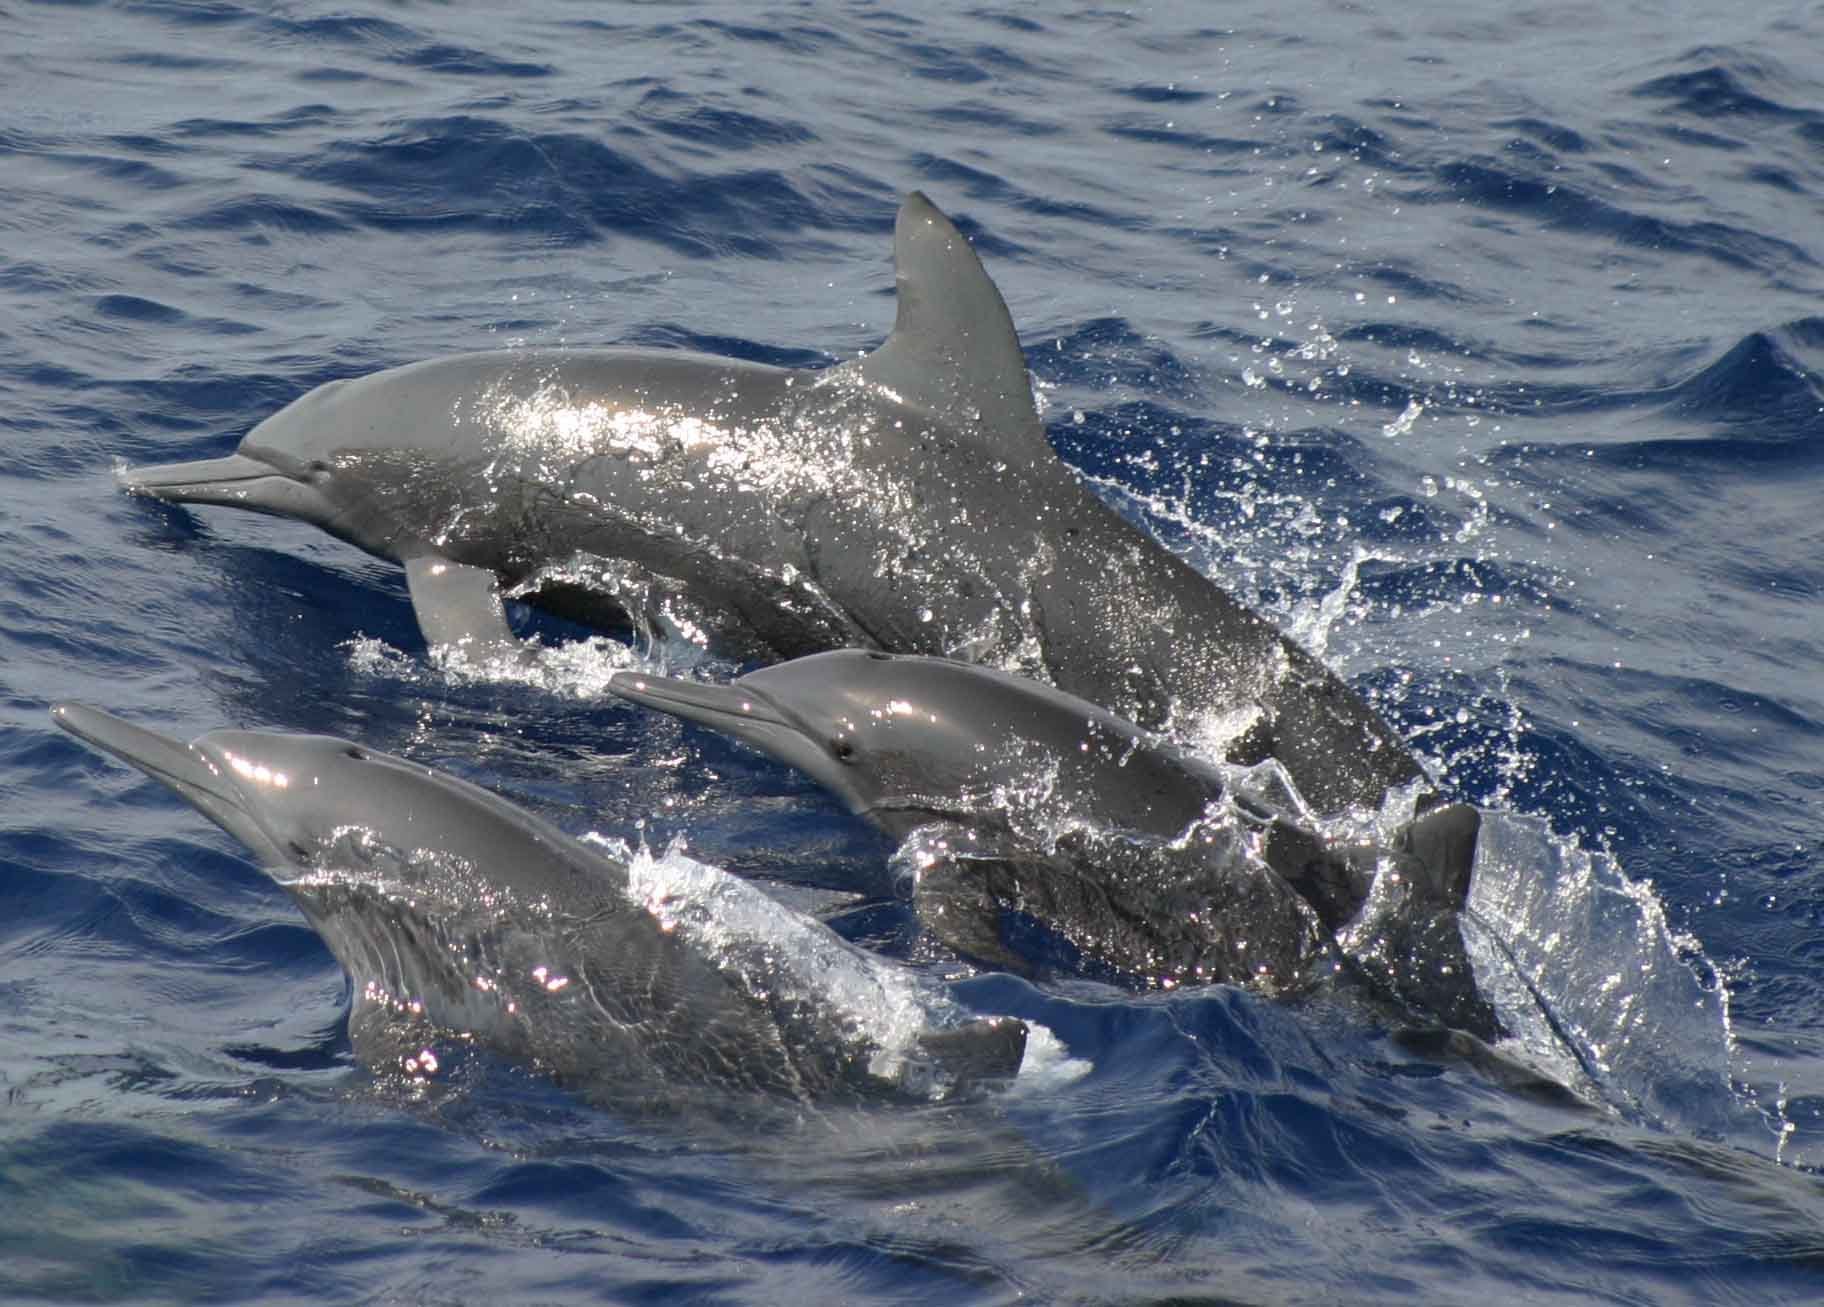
(1481, 347)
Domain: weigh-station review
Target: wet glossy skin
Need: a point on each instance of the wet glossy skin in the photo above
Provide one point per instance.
(907, 501)
(1018, 798)
(448, 905)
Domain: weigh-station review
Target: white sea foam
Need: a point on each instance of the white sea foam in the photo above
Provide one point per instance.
(1048, 1063)
(576, 669)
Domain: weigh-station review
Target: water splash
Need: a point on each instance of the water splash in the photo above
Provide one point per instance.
(796, 959)
(1596, 984)
(1048, 1063)
(574, 669)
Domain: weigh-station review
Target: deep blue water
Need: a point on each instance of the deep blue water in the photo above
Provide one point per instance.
(1483, 349)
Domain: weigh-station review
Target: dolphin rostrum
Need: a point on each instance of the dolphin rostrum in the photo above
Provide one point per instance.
(445, 903)
(907, 500)
(1017, 798)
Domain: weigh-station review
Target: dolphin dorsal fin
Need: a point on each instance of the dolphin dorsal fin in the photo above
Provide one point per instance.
(991, 1048)
(1444, 842)
(953, 351)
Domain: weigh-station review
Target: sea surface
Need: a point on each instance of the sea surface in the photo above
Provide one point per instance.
(1482, 346)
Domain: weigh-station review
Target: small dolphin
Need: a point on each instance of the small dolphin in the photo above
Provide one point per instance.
(907, 500)
(444, 902)
(1021, 798)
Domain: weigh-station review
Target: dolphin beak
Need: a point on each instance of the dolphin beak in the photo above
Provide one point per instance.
(184, 768)
(732, 710)
(238, 481)
(157, 755)
(205, 481)
(726, 708)
(736, 711)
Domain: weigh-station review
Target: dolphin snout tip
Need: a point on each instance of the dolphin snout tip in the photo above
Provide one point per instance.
(134, 479)
(126, 478)
(236, 479)
(85, 723)
(72, 716)
(625, 683)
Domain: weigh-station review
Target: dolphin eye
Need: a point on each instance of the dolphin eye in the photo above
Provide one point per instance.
(357, 753)
(842, 748)
(319, 470)
(879, 657)
(299, 851)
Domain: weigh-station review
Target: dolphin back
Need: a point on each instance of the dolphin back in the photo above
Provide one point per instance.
(622, 975)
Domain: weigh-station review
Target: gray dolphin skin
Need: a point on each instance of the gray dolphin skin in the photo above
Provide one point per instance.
(1020, 798)
(907, 500)
(447, 904)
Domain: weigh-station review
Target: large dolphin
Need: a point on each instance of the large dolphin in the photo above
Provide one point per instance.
(1021, 799)
(446, 903)
(906, 500)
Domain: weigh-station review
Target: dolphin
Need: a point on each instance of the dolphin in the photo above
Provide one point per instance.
(445, 903)
(1015, 797)
(907, 500)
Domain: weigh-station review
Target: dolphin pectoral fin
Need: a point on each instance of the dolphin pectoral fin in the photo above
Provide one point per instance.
(1408, 943)
(1333, 879)
(1442, 1044)
(1444, 843)
(955, 904)
(460, 606)
(953, 350)
(989, 1049)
